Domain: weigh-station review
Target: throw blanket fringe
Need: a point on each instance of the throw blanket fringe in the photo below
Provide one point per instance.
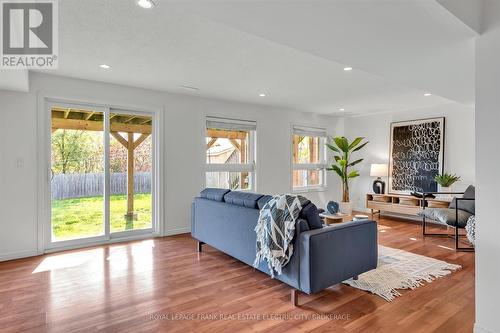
(275, 231)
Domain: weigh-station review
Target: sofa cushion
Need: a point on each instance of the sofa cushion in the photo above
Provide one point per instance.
(466, 205)
(446, 216)
(310, 213)
(216, 194)
(263, 200)
(244, 199)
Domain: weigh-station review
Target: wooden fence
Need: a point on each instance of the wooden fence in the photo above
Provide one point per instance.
(68, 186)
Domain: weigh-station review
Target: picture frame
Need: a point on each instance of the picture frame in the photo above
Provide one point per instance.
(416, 155)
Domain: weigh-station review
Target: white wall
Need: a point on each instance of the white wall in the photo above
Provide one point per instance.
(488, 162)
(183, 145)
(18, 160)
(459, 143)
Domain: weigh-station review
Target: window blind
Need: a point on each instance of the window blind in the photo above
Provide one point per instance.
(231, 124)
(309, 131)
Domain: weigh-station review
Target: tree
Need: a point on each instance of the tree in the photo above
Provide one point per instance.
(142, 156)
(76, 151)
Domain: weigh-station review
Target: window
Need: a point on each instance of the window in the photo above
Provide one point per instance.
(308, 158)
(230, 153)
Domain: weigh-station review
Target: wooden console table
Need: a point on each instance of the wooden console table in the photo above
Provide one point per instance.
(401, 204)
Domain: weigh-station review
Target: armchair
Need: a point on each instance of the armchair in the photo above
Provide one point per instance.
(455, 216)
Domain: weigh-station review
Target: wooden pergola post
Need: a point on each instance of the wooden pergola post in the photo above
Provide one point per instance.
(296, 142)
(313, 158)
(243, 159)
(130, 145)
(130, 176)
(241, 147)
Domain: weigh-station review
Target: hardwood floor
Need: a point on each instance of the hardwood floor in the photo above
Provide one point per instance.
(157, 285)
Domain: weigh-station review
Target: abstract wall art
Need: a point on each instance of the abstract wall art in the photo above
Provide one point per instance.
(416, 155)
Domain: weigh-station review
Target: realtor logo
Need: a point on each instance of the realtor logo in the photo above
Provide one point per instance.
(29, 34)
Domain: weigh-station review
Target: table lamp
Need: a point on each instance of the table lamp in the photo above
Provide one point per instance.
(378, 170)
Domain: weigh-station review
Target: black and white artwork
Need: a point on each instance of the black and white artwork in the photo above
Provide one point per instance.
(416, 155)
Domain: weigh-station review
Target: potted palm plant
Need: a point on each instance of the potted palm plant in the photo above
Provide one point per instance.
(342, 150)
(445, 181)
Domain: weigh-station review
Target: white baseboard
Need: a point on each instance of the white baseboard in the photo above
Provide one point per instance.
(18, 255)
(177, 231)
(479, 329)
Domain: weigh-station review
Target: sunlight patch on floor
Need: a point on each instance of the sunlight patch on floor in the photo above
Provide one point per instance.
(66, 260)
(140, 250)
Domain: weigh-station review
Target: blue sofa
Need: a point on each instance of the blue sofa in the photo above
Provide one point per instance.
(323, 256)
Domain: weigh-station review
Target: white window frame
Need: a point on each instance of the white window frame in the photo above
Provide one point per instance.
(235, 167)
(311, 131)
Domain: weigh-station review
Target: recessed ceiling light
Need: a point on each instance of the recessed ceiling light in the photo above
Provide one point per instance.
(147, 4)
(342, 109)
(348, 69)
(427, 94)
(262, 95)
(104, 66)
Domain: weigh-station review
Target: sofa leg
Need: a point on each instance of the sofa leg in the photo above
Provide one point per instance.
(294, 297)
(355, 277)
(200, 244)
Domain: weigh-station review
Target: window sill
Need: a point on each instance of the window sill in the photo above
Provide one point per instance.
(309, 189)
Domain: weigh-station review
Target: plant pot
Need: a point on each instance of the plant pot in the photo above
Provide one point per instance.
(445, 196)
(346, 208)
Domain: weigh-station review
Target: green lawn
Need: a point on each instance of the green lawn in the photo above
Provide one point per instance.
(83, 217)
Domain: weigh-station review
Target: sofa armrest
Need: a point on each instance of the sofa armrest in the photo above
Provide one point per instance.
(336, 253)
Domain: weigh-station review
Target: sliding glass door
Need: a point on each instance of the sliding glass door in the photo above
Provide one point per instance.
(77, 173)
(131, 162)
(101, 174)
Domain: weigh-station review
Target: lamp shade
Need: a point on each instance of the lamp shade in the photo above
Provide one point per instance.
(378, 170)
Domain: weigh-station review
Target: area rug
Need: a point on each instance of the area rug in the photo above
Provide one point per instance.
(398, 269)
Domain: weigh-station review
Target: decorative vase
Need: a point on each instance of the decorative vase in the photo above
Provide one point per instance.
(346, 208)
(332, 207)
(445, 196)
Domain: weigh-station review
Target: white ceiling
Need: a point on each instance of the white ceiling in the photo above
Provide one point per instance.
(294, 51)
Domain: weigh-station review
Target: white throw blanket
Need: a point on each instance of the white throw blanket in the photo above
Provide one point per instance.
(275, 230)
